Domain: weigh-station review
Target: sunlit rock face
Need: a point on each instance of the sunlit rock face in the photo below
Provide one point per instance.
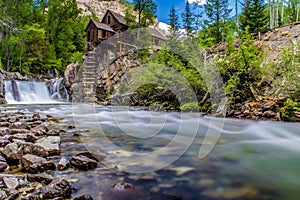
(98, 7)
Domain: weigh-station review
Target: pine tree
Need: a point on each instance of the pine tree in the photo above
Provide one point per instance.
(174, 23)
(253, 16)
(217, 12)
(188, 18)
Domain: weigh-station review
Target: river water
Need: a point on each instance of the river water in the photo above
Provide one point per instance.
(159, 153)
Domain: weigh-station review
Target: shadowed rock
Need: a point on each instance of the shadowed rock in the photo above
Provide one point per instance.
(83, 162)
(58, 188)
(35, 164)
(13, 152)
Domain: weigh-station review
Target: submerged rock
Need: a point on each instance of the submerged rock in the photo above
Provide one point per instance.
(122, 191)
(58, 188)
(84, 197)
(232, 193)
(34, 164)
(83, 162)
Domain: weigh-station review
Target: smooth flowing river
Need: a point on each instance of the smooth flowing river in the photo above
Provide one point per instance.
(160, 153)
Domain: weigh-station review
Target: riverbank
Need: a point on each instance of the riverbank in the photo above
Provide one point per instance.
(30, 154)
(131, 166)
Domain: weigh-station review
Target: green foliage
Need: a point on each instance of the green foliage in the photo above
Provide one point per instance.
(190, 107)
(240, 66)
(287, 112)
(188, 18)
(285, 74)
(174, 24)
(145, 10)
(38, 39)
(217, 12)
(254, 16)
(123, 88)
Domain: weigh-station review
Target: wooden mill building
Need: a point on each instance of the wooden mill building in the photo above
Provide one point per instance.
(111, 24)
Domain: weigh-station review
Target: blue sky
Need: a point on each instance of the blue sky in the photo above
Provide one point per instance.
(163, 7)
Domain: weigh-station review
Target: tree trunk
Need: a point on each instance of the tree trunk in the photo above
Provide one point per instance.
(282, 12)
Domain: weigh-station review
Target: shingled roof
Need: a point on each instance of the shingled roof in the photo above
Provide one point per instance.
(101, 26)
(119, 18)
(156, 33)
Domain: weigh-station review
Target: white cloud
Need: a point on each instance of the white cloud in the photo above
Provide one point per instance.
(200, 2)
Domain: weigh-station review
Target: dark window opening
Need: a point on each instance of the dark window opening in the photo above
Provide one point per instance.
(103, 34)
(108, 19)
(89, 36)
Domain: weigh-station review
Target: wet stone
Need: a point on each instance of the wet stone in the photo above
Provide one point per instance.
(40, 130)
(4, 130)
(11, 182)
(13, 152)
(63, 164)
(122, 191)
(3, 195)
(50, 144)
(84, 197)
(83, 162)
(19, 125)
(11, 194)
(34, 164)
(25, 137)
(87, 154)
(4, 142)
(41, 178)
(16, 131)
(3, 166)
(58, 188)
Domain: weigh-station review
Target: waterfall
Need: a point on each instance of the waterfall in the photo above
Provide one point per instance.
(58, 90)
(27, 92)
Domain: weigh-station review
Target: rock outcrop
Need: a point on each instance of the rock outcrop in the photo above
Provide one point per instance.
(98, 8)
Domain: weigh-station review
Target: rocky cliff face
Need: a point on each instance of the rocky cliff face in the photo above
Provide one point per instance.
(98, 7)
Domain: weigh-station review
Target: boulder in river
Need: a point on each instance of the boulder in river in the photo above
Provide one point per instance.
(35, 164)
(41, 178)
(63, 164)
(58, 188)
(83, 162)
(84, 197)
(50, 144)
(123, 190)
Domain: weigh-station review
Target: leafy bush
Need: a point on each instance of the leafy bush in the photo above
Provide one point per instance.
(287, 112)
(285, 75)
(240, 66)
(191, 106)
